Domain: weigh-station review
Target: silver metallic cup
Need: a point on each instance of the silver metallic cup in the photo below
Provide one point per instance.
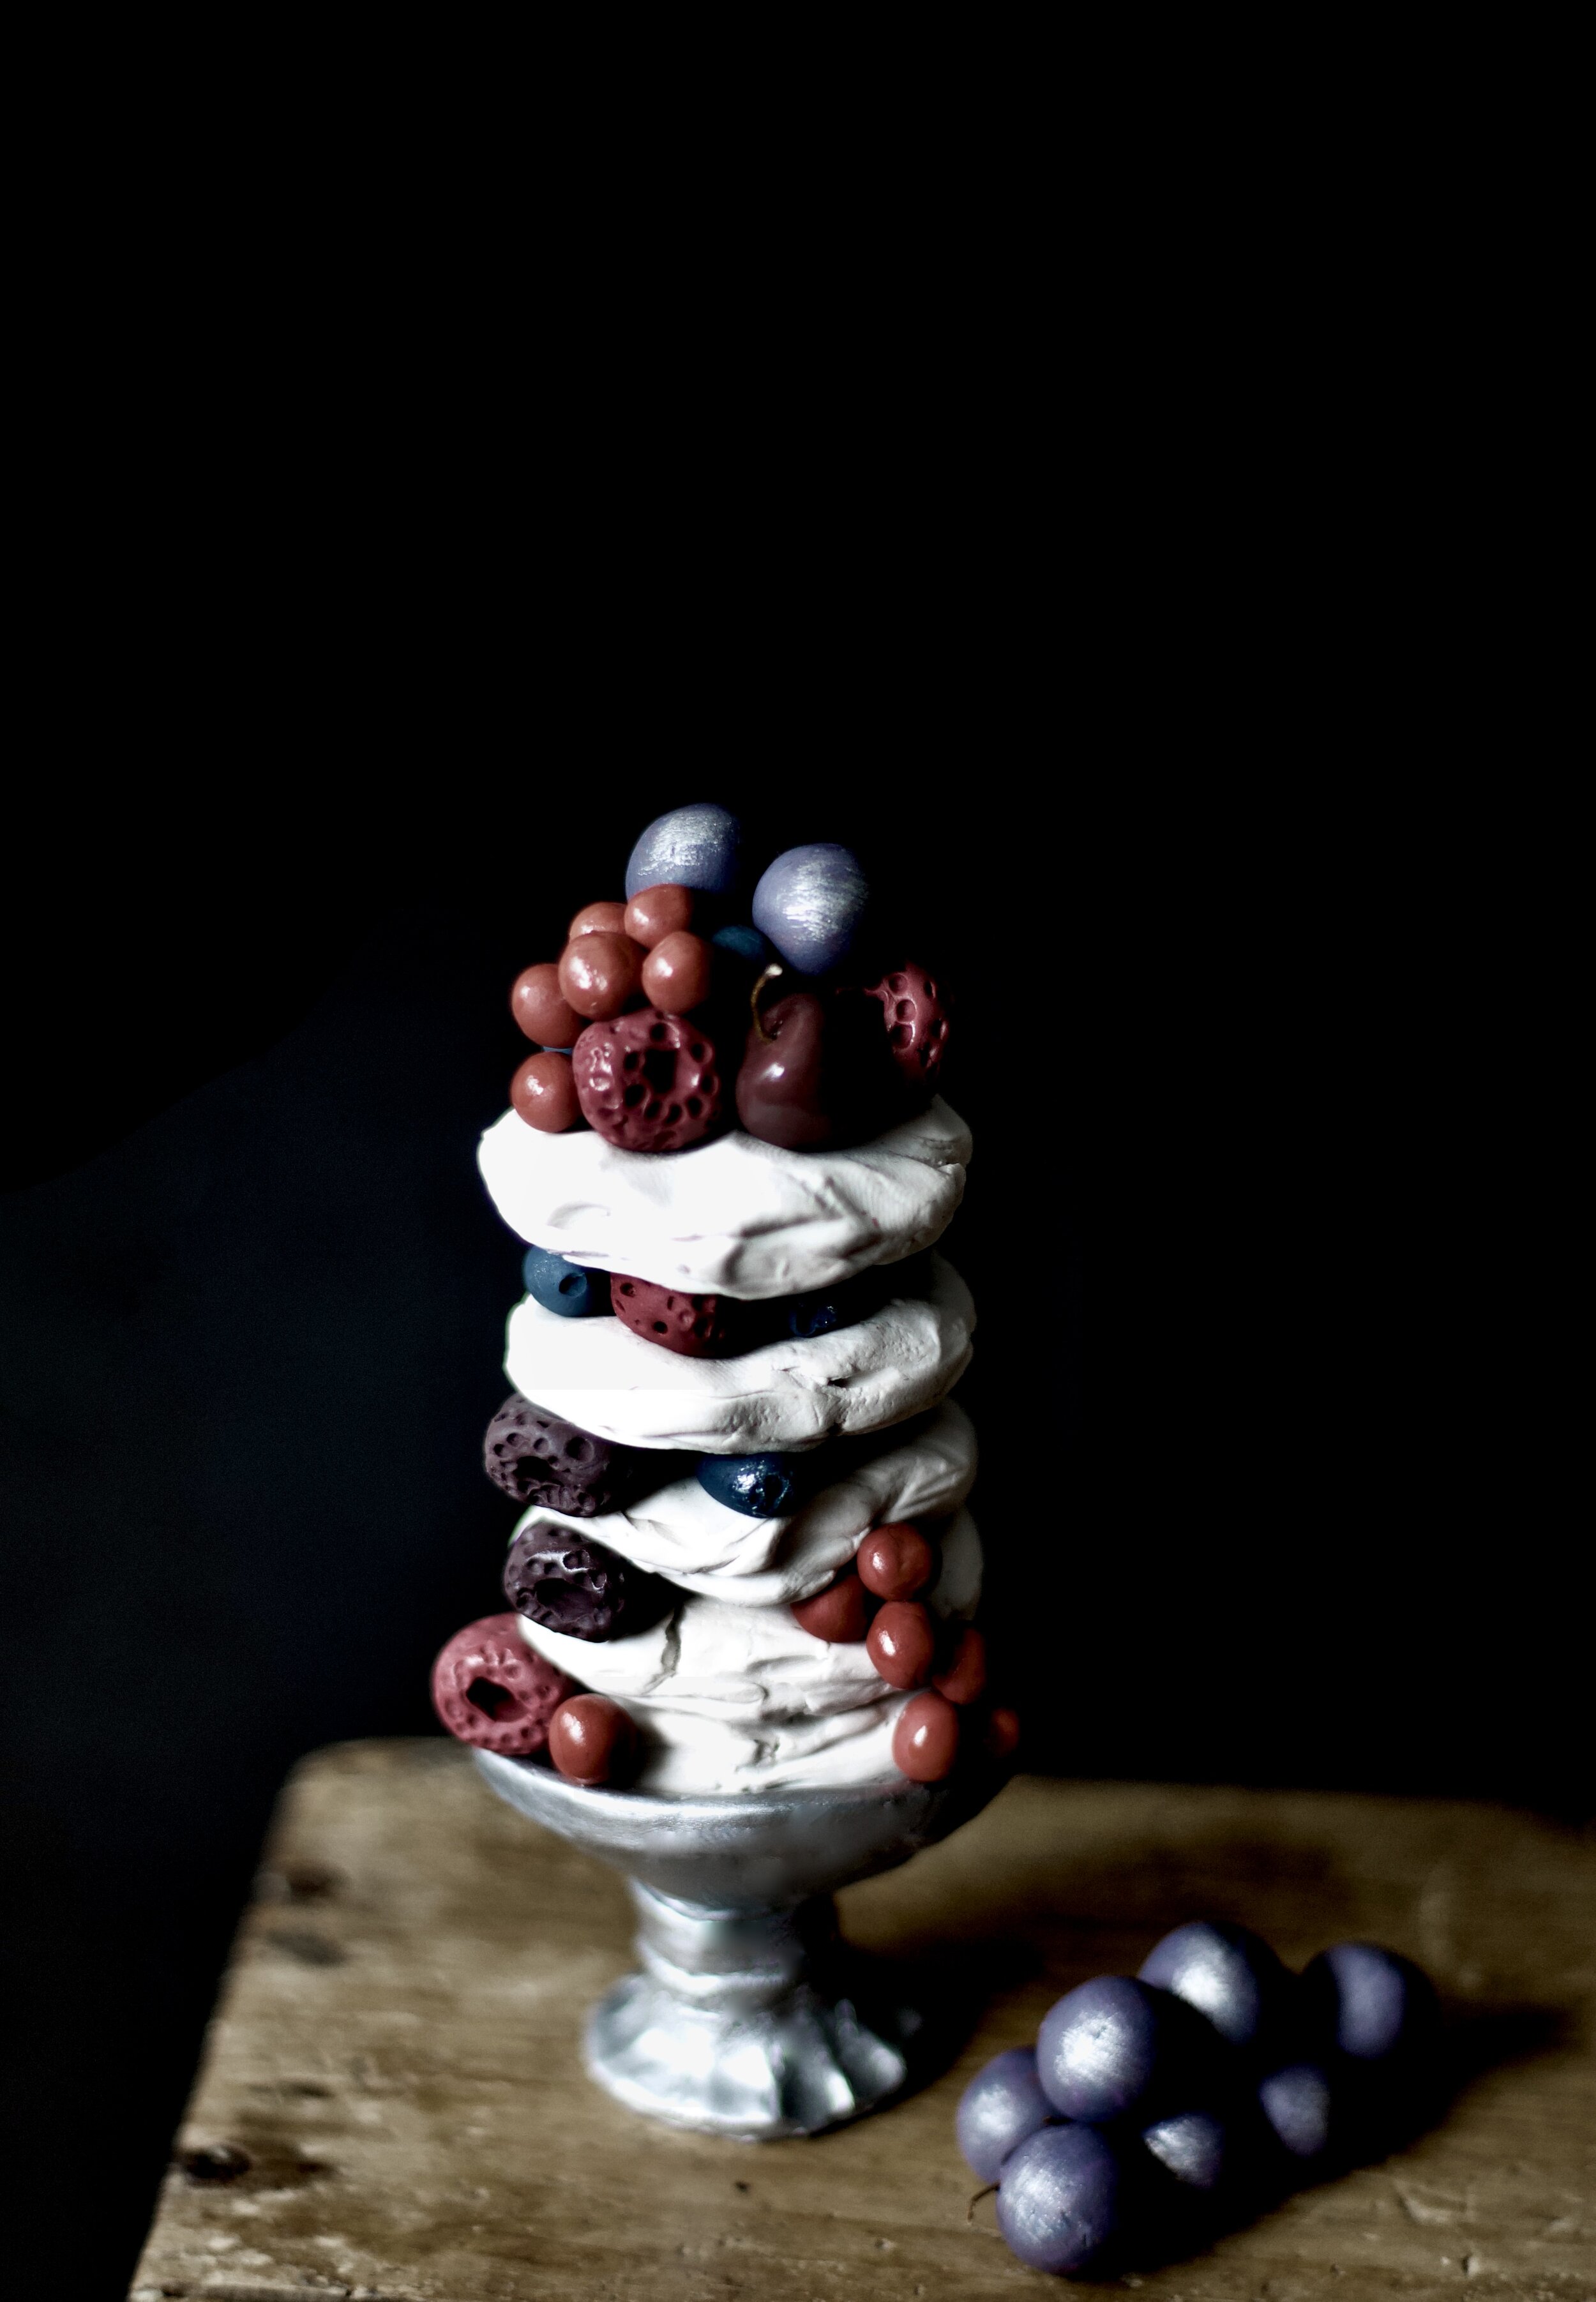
(744, 2020)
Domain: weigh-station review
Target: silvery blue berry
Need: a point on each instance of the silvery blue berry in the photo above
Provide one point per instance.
(1059, 2203)
(1001, 2106)
(1229, 1974)
(697, 846)
(811, 903)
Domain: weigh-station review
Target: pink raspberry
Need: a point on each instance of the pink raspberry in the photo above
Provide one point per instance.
(490, 1689)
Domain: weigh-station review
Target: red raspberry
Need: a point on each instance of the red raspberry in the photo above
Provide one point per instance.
(915, 1014)
(647, 1081)
(490, 1689)
(697, 1326)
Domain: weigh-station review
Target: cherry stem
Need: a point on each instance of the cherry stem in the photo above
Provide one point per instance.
(769, 975)
(975, 2202)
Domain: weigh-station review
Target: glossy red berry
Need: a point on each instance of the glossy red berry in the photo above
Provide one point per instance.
(599, 973)
(543, 1093)
(925, 1742)
(964, 1679)
(539, 1007)
(598, 918)
(592, 1739)
(1000, 1737)
(902, 1644)
(655, 913)
(896, 1562)
(840, 1613)
(676, 974)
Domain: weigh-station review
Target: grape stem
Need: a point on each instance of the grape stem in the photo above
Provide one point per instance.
(975, 2202)
(769, 976)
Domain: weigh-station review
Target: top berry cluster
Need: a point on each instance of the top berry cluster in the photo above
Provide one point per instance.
(668, 1014)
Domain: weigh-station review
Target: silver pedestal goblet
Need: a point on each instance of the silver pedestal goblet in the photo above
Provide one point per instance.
(747, 2019)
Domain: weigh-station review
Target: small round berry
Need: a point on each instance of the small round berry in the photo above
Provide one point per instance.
(747, 945)
(1194, 2146)
(839, 1614)
(543, 1093)
(903, 1644)
(1230, 1975)
(896, 1562)
(676, 974)
(567, 1289)
(694, 846)
(811, 904)
(1001, 2106)
(1061, 2201)
(1113, 2046)
(1000, 1738)
(598, 918)
(591, 1739)
(925, 1742)
(599, 972)
(965, 1678)
(656, 913)
(539, 1007)
(763, 1486)
(1296, 2104)
(1373, 2004)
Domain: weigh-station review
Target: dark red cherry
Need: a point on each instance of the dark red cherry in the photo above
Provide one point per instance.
(813, 1073)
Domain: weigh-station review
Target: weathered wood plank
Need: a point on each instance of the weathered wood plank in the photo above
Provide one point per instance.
(396, 2054)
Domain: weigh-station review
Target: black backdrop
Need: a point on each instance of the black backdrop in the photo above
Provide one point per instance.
(1297, 1524)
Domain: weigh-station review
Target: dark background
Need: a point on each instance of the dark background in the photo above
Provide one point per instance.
(1239, 1044)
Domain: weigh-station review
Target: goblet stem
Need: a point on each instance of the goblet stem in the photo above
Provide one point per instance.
(742, 2022)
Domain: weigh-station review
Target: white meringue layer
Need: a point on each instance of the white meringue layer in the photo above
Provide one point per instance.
(736, 1216)
(905, 1357)
(685, 1535)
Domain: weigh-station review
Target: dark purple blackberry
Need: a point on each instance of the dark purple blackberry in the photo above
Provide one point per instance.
(539, 1458)
(563, 1581)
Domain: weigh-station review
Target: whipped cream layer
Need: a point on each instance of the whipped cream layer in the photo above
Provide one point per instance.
(685, 1535)
(736, 1216)
(723, 1694)
(905, 1357)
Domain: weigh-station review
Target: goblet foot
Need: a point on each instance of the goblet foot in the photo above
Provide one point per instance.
(746, 2024)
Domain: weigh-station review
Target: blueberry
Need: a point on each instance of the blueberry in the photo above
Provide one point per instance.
(1114, 2047)
(1001, 2106)
(804, 1317)
(765, 1486)
(1295, 2103)
(746, 944)
(1371, 2005)
(1229, 1974)
(563, 1287)
(811, 903)
(1061, 2200)
(695, 846)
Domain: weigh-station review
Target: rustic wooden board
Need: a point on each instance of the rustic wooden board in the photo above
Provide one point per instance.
(396, 2055)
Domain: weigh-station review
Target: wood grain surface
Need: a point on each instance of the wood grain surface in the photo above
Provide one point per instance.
(396, 2057)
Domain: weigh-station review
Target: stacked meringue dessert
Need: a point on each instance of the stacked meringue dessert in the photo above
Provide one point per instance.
(745, 1560)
